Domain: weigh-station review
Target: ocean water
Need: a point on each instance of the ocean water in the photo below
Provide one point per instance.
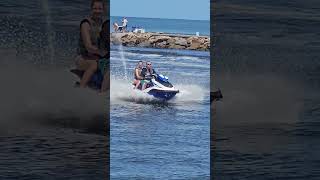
(181, 26)
(151, 139)
(51, 129)
(267, 66)
(48, 128)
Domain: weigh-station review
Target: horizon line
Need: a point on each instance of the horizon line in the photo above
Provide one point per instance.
(160, 18)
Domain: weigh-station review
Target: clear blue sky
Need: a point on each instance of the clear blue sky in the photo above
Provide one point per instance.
(171, 9)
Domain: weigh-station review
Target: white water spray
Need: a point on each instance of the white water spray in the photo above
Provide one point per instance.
(188, 93)
(123, 61)
(46, 12)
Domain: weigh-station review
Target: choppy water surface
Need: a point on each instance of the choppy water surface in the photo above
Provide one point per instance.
(48, 129)
(267, 126)
(160, 140)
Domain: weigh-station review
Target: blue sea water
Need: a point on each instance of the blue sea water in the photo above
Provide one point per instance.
(49, 129)
(181, 26)
(161, 140)
(151, 139)
(267, 66)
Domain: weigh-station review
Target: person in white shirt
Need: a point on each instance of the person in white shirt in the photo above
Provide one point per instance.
(124, 24)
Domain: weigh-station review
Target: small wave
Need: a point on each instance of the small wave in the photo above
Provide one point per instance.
(135, 54)
(189, 58)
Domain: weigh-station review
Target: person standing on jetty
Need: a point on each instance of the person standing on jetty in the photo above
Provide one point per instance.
(90, 51)
(124, 24)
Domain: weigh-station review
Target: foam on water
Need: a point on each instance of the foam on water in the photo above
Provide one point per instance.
(189, 58)
(46, 94)
(141, 55)
(122, 91)
(123, 60)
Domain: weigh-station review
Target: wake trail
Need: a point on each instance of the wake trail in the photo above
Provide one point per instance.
(41, 95)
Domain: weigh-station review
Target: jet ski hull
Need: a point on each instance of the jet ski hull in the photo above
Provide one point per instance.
(163, 94)
(162, 90)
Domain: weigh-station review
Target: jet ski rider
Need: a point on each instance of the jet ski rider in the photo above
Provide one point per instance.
(137, 74)
(90, 51)
(146, 72)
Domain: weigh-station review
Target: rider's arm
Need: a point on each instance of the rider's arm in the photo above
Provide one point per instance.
(85, 34)
(137, 74)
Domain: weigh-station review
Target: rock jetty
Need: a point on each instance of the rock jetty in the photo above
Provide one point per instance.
(161, 40)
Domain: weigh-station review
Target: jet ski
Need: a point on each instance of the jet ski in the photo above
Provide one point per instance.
(95, 81)
(159, 87)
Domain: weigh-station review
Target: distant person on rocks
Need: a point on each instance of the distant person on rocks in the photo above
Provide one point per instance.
(124, 24)
(115, 27)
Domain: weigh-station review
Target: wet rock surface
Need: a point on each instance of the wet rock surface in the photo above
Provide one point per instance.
(161, 40)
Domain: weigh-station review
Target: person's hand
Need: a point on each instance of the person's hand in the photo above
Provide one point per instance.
(148, 77)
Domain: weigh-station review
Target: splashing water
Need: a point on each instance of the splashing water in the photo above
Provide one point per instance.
(123, 59)
(50, 34)
(188, 93)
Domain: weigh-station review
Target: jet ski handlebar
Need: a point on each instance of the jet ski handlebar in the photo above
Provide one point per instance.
(149, 77)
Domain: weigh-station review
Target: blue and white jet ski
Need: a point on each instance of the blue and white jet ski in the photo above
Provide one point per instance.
(160, 87)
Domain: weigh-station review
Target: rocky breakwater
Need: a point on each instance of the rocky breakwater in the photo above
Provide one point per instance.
(161, 40)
